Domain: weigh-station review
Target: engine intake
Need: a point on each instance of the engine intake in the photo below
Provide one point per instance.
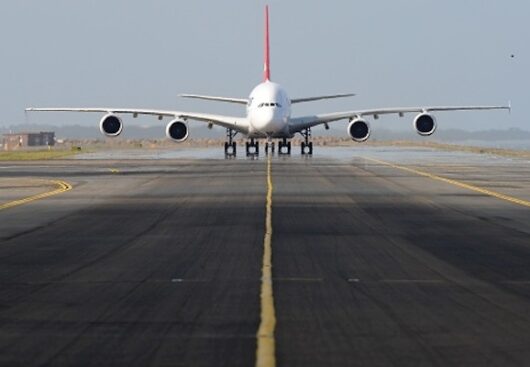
(177, 130)
(359, 130)
(425, 124)
(111, 125)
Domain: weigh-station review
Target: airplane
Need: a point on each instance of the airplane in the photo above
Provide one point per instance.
(268, 116)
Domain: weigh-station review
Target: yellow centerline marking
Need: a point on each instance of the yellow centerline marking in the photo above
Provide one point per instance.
(265, 353)
(463, 185)
(62, 186)
(114, 170)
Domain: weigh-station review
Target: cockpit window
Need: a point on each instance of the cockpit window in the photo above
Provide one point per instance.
(272, 104)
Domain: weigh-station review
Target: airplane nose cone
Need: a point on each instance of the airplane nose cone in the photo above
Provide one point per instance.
(265, 118)
(268, 120)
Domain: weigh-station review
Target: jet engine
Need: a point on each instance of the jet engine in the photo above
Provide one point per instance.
(177, 130)
(111, 125)
(425, 124)
(359, 130)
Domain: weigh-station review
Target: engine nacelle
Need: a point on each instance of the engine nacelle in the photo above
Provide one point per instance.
(359, 130)
(177, 130)
(111, 125)
(425, 124)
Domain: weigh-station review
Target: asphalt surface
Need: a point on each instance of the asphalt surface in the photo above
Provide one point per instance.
(158, 261)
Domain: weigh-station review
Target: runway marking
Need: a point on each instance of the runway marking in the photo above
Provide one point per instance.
(265, 351)
(398, 281)
(413, 281)
(182, 280)
(298, 280)
(463, 185)
(62, 186)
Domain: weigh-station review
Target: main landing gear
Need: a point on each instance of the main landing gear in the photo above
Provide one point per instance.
(307, 146)
(252, 148)
(230, 145)
(284, 147)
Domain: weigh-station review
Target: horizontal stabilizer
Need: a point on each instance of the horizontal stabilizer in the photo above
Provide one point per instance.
(214, 98)
(309, 99)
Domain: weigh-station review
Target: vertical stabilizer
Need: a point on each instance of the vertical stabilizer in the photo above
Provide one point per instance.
(266, 66)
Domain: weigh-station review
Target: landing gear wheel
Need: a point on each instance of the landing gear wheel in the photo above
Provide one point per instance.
(307, 148)
(269, 146)
(230, 149)
(230, 145)
(284, 147)
(252, 148)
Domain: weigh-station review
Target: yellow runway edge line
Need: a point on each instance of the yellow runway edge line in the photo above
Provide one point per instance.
(265, 353)
(463, 185)
(62, 186)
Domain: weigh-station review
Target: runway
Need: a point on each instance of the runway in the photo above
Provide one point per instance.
(159, 261)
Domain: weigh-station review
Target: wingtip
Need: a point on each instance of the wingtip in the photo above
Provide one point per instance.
(185, 95)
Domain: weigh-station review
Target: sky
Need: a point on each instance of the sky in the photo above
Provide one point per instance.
(137, 53)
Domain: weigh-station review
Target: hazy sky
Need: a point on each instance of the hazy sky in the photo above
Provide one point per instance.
(137, 53)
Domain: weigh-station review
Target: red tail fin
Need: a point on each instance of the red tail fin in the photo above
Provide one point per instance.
(266, 67)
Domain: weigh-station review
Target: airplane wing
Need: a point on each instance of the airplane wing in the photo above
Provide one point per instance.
(317, 98)
(303, 122)
(214, 98)
(239, 124)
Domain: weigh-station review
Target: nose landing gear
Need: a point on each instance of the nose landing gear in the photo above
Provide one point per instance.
(269, 145)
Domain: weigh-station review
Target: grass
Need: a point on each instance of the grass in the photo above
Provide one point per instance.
(35, 155)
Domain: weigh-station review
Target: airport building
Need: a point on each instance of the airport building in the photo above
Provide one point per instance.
(14, 141)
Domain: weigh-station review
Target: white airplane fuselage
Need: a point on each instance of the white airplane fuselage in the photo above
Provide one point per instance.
(269, 111)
